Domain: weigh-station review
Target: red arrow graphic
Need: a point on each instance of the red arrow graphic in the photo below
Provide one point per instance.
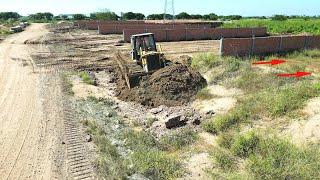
(297, 74)
(272, 62)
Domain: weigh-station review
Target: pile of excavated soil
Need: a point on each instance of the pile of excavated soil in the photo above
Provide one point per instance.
(171, 86)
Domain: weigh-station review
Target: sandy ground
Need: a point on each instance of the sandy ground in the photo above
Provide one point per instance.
(307, 131)
(31, 125)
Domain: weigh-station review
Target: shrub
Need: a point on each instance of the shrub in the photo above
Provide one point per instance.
(178, 140)
(156, 164)
(245, 144)
(86, 78)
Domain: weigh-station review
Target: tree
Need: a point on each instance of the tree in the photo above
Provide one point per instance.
(183, 15)
(9, 15)
(41, 16)
(211, 16)
(140, 16)
(159, 16)
(131, 16)
(196, 16)
(79, 17)
(104, 16)
(279, 18)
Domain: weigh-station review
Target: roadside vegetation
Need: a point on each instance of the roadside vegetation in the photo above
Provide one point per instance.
(124, 152)
(244, 150)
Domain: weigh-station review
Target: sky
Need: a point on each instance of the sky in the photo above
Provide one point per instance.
(220, 7)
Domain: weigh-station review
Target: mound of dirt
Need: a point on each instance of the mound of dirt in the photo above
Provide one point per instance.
(171, 86)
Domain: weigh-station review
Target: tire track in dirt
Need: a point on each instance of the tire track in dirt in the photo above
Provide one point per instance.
(31, 129)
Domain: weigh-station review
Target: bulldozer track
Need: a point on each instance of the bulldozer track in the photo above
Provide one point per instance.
(78, 163)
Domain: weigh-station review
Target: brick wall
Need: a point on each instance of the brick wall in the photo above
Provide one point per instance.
(182, 34)
(267, 45)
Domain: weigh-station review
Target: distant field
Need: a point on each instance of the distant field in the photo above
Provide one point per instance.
(291, 26)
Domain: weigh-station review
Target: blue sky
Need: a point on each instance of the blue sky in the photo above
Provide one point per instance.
(221, 7)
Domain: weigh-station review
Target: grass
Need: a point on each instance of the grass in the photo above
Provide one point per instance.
(291, 26)
(67, 84)
(148, 159)
(222, 123)
(247, 154)
(279, 159)
(179, 140)
(225, 160)
(110, 163)
(205, 61)
(86, 78)
(156, 164)
(268, 157)
(204, 94)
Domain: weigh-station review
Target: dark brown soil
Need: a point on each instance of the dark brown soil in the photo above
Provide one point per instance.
(171, 86)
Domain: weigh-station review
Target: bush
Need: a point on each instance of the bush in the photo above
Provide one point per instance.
(79, 17)
(86, 78)
(178, 140)
(246, 144)
(156, 165)
(279, 17)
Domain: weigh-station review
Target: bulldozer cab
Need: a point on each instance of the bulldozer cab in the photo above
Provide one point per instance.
(142, 43)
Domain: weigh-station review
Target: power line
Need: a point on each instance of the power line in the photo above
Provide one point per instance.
(168, 9)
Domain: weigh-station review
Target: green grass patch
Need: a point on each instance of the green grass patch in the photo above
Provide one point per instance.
(86, 78)
(225, 160)
(245, 144)
(110, 164)
(179, 139)
(279, 159)
(148, 159)
(205, 61)
(156, 164)
(222, 123)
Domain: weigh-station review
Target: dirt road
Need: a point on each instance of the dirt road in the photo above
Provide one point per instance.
(30, 122)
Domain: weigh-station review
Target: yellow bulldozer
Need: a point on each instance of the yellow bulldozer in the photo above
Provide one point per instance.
(146, 58)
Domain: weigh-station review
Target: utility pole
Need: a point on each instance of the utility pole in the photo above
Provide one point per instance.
(168, 9)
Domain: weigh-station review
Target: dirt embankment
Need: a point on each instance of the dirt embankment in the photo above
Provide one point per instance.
(171, 86)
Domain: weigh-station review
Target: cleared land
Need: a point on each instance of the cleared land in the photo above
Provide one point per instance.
(67, 117)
